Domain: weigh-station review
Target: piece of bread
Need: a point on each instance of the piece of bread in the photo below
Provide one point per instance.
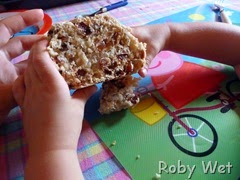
(118, 94)
(94, 49)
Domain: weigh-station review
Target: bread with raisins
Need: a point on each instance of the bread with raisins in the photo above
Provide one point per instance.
(118, 94)
(94, 49)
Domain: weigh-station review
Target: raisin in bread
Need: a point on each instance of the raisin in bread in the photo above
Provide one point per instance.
(94, 49)
(118, 94)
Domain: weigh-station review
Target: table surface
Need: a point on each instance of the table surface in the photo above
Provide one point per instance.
(96, 160)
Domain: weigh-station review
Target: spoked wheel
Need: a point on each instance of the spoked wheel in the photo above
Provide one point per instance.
(200, 141)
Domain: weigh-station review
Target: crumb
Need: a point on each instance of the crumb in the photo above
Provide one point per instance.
(156, 113)
(178, 127)
(114, 143)
(138, 157)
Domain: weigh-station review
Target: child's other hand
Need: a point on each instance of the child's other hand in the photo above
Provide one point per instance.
(52, 118)
(155, 36)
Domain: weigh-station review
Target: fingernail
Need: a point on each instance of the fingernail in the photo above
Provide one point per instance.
(144, 72)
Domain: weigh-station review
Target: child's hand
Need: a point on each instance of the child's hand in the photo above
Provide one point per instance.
(52, 118)
(11, 48)
(155, 36)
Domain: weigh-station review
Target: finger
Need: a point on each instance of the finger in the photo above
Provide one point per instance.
(16, 23)
(84, 94)
(44, 65)
(30, 75)
(17, 46)
(21, 67)
(19, 90)
(27, 77)
(145, 34)
(150, 56)
(142, 72)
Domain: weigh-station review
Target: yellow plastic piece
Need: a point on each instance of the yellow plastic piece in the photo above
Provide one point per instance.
(148, 110)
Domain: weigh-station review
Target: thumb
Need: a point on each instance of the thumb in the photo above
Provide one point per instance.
(85, 93)
(18, 90)
(21, 66)
(143, 71)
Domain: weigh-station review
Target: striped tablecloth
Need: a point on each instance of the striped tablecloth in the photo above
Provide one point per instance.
(96, 160)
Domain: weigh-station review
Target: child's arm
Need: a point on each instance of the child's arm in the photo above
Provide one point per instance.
(52, 118)
(209, 40)
(213, 41)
